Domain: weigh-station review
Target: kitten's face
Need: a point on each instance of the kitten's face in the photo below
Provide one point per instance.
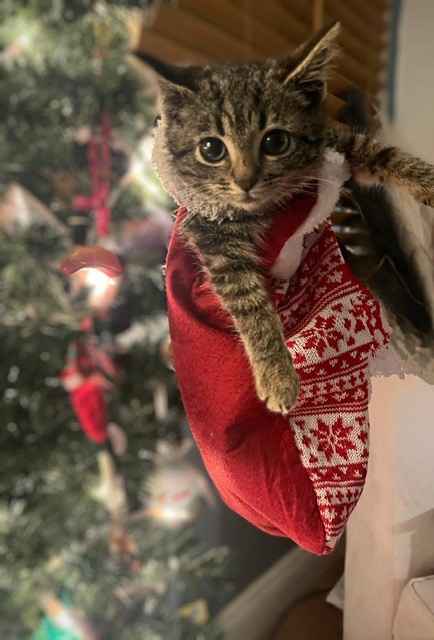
(242, 137)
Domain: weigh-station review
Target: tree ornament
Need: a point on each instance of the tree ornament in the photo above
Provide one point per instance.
(63, 622)
(89, 373)
(177, 491)
(102, 291)
(90, 407)
(98, 271)
(196, 611)
(49, 631)
(20, 209)
(92, 257)
(99, 174)
(87, 393)
(112, 487)
(118, 439)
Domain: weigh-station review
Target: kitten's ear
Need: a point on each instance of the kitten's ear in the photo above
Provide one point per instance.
(181, 77)
(307, 67)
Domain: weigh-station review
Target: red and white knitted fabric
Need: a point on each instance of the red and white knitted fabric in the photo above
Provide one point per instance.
(300, 475)
(333, 328)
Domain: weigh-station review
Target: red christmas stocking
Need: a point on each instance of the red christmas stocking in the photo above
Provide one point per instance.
(86, 387)
(301, 475)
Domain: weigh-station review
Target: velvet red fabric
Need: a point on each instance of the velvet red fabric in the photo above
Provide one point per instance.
(301, 475)
(249, 453)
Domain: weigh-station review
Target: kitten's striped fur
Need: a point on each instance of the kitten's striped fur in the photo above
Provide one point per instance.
(373, 163)
(230, 202)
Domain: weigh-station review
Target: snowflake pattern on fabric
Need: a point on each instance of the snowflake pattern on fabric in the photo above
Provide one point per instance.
(333, 328)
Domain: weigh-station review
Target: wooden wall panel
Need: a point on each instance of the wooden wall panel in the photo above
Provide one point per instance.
(303, 9)
(231, 17)
(209, 31)
(277, 16)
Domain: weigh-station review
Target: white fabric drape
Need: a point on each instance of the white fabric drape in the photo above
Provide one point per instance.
(390, 535)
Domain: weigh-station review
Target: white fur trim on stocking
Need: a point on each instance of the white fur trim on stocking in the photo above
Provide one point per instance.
(332, 175)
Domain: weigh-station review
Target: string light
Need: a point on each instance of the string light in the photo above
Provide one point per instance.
(97, 281)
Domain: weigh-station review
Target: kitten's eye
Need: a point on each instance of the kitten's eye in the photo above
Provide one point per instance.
(212, 149)
(275, 142)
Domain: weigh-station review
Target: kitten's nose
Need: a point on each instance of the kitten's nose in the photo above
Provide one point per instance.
(246, 182)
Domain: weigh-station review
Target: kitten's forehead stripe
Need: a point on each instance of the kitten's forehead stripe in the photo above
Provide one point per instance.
(219, 124)
(226, 88)
(256, 99)
(262, 119)
(217, 101)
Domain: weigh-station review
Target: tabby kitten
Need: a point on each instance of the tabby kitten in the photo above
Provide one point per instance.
(234, 141)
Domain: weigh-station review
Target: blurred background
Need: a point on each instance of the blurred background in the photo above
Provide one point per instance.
(109, 526)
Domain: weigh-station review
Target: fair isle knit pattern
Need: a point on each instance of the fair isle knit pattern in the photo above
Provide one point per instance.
(333, 328)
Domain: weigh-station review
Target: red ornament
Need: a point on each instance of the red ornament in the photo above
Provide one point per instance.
(90, 256)
(90, 407)
(99, 171)
(87, 377)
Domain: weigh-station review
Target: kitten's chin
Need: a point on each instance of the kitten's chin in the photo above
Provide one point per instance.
(250, 204)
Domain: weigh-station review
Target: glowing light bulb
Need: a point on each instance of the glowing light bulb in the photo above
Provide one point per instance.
(97, 281)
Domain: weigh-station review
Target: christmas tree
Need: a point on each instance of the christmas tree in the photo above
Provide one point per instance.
(96, 495)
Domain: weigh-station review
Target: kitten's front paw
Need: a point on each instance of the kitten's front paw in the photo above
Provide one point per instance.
(278, 386)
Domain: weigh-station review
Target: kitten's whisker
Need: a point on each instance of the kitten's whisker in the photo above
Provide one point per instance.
(308, 193)
(350, 196)
(343, 190)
